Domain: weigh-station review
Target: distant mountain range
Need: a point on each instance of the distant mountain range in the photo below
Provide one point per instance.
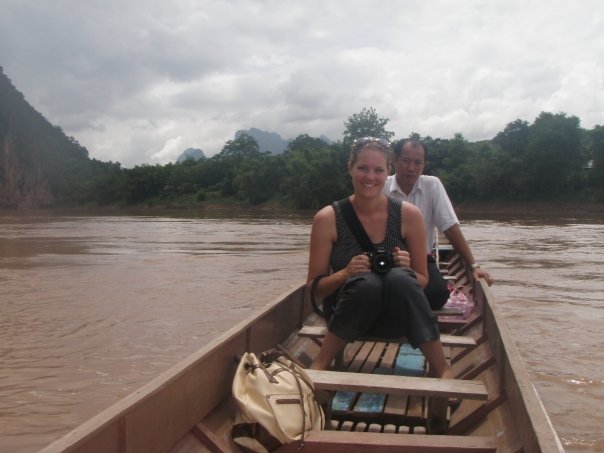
(41, 166)
(267, 141)
(191, 153)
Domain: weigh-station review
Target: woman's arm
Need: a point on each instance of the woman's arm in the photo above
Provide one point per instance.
(415, 238)
(322, 237)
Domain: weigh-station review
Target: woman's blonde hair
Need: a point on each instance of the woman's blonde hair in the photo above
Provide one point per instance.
(360, 144)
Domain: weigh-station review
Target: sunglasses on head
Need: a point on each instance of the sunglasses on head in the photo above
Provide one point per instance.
(363, 141)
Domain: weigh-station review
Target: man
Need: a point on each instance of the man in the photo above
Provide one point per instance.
(430, 196)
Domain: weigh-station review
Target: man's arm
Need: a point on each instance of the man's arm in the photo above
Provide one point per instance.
(459, 243)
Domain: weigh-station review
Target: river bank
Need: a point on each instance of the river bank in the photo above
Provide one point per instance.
(570, 208)
(273, 208)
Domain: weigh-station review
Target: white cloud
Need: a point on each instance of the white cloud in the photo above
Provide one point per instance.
(139, 81)
(170, 151)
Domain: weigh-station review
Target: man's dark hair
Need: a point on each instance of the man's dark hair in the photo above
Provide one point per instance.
(398, 147)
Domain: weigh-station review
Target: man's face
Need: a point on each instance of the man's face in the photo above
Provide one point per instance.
(410, 164)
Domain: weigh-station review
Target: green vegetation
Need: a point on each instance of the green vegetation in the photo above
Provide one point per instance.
(33, 153)
(552, 159)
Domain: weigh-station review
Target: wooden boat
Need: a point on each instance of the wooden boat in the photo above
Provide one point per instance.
(189, 407)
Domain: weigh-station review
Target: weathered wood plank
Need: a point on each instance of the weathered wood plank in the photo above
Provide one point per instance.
(370, 402)
(398, 385)
(446, 339)
(448, 311)
(359, 360)
(361, 442)
(390, 355)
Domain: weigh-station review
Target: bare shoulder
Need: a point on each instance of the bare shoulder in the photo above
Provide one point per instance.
(325, 215)
(409, 210)
(324, 225)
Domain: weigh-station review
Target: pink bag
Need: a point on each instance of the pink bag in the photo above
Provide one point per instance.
(459, 300)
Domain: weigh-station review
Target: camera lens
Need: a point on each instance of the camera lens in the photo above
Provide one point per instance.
(381, 262)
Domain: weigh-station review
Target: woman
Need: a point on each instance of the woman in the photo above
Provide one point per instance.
(390, 304)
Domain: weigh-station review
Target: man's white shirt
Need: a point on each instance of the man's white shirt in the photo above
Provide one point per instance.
(430, 196)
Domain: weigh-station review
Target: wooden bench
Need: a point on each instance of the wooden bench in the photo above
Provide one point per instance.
(398, 385)
(317, 332)
(377, 390)
(353, 442)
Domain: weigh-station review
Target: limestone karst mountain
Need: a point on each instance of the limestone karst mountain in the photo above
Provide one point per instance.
(39, 164)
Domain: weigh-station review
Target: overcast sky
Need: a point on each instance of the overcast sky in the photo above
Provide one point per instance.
(139, 81)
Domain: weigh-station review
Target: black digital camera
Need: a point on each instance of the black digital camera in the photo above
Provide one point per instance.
(381, 261)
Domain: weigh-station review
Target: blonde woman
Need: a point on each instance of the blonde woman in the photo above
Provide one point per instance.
(387, 302)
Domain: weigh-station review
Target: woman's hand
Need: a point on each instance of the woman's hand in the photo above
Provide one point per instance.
(358, 264)
(401, 258)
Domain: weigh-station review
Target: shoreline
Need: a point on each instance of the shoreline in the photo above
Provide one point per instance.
(529, 207)
(465, 208)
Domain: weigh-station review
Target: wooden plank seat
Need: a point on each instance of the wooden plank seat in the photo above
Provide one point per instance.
(446, 339)
(379, 358)
(353, 442)
(407, 411)
(404, 407)
(398, 385)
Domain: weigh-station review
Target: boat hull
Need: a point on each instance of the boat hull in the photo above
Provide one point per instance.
(189, 407)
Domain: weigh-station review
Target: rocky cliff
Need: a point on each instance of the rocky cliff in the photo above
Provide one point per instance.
(21, 186)
(39, 164)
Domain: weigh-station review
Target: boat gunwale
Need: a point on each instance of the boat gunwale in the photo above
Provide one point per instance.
(113, 417)
(110, 430)
(515, 377)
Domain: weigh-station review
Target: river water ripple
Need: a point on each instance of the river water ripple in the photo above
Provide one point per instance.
(93, 307)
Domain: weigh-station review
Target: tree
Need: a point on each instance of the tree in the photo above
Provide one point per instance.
(243, 146)
(456, 171)
(553, 153)
(314, 177)
(366, 123)
(258, 178)
(305, 141)
(144, 182)
(513, 142)
(514, 138)
(596, 147)
(233, 153)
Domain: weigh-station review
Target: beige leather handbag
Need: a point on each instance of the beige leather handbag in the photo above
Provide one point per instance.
(275, 401)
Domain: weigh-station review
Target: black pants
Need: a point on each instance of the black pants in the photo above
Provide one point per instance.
(389, 306)
(436, 292)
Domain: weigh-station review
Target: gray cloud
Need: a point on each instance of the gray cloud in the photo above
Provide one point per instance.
(140, 81)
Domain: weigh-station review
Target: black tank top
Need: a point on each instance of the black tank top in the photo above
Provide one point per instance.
(346, 245)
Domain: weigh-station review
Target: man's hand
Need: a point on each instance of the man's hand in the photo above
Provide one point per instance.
(481, 273)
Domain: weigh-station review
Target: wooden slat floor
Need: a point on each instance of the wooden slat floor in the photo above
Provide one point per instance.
(353, 411)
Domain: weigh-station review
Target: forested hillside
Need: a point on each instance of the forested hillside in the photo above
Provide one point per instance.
(550, 159)
(39, 164)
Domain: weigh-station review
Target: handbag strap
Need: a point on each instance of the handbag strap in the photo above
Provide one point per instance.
(355, 225)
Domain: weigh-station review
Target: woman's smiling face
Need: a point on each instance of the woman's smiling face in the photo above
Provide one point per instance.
(369, 171)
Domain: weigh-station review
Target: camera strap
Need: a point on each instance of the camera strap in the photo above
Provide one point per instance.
(355, 226)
